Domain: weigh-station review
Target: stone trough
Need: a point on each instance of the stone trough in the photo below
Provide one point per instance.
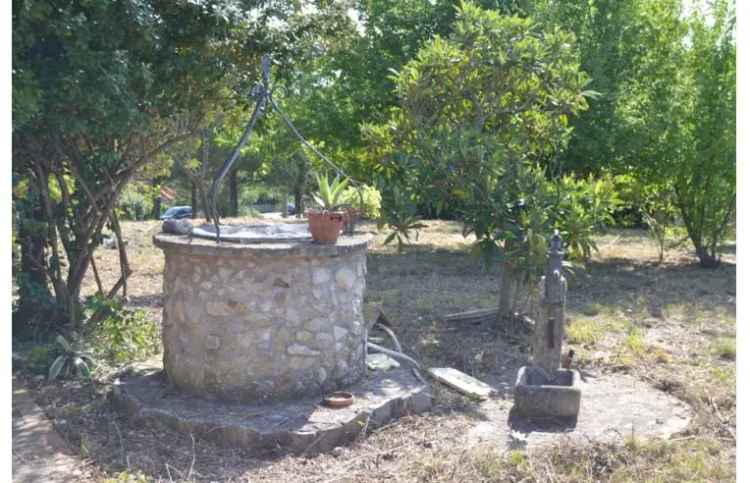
(259, 323)
(557, 397)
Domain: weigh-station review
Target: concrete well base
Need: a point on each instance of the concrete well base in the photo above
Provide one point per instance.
(536, 396)
(298, 426)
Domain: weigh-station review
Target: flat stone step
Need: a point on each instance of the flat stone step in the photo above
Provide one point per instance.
(461, 382)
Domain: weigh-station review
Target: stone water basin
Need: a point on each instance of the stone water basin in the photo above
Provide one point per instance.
(540, 394)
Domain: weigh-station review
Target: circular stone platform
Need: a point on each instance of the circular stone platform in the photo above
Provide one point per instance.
(300, 426)
(258, 322)
(613, 408)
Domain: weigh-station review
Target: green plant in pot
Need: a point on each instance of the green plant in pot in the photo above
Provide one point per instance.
(327, 222)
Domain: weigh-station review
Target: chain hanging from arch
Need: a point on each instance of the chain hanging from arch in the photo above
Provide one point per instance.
(262, 93)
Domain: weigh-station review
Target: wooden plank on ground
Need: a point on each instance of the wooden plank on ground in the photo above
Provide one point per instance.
(461, 382)
(472, 316)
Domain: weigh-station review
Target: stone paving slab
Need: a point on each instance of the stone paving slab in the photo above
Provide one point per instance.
(39, 452)
(300, 426)
(613, 407)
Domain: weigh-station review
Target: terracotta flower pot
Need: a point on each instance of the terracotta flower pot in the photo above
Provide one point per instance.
(325, 226)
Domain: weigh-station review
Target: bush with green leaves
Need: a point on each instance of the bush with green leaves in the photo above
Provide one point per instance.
(120, 335)
(399, 214)
(582, 207)
(368, 204)
(136, 202)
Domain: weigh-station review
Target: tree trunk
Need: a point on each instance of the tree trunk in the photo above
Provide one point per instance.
(299, 205)
(157, 208)
(124, 265)
(193, 199)
(33, 291)
(233, 200)
(508, 286)
(707, 259)
(204, 200)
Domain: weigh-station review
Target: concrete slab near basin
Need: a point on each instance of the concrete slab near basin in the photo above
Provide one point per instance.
(541, 394)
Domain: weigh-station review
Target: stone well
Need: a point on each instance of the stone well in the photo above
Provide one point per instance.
(262, 321)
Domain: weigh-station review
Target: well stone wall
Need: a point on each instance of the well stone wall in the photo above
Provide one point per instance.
(263, 322)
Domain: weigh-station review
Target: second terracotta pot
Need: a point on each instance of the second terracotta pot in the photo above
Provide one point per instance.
(325, 226)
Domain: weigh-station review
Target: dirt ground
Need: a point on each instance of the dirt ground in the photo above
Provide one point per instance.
(671, 325)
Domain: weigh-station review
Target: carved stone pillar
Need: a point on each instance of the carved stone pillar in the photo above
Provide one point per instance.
(550, 326)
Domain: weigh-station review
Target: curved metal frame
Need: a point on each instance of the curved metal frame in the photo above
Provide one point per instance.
(262, 94)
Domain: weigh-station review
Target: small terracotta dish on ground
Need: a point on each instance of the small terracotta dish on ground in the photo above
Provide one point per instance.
(338, 399)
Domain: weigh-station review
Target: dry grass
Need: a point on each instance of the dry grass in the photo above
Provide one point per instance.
(671, 324)
(635, 461)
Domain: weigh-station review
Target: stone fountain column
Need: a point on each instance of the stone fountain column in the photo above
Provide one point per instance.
(544, 389)
(550, 324)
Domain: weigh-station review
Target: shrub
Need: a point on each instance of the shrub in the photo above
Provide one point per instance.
(74, 359)
(120, 335)
(583, 207)
(135, 203)
(370, 202)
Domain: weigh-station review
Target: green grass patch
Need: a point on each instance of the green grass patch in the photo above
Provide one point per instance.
(584, 331)
(725, 375)
(725, 348)
(631, 348)
(635, 342)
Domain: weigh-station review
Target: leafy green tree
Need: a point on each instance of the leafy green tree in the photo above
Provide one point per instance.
(104, 88)
(704, 170)
(679, 110)
(609, 43)
(666, 72)
(482, 114)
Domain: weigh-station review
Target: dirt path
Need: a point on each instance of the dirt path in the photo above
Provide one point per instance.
(39, 452)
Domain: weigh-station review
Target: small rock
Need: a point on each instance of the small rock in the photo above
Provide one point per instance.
(339, 333)
(315, 324)
(325, 339)
(321, 275)
(300, 350)
(280, 283)
(345, 278)
(177, 227)
(304, 336)
(213, 342)
(337, 452)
